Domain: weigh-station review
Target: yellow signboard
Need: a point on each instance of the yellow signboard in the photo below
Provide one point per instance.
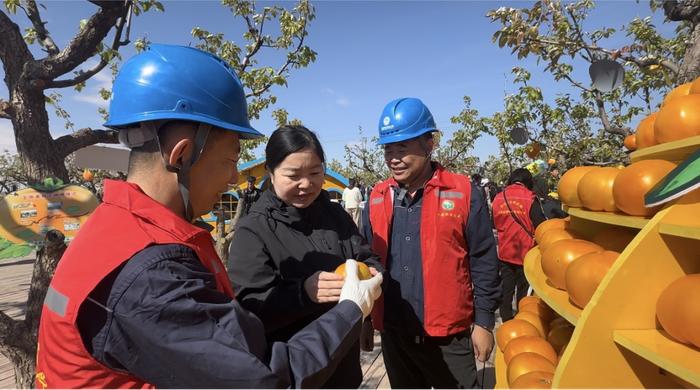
(26, 216)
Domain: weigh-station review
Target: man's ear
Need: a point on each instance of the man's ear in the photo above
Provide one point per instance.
(181, 153)
(429, 146)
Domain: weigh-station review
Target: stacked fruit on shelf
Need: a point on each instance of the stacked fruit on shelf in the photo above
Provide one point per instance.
(576, 265)
(532, 344)
(613, 189)
(678, 118)
(678, 309)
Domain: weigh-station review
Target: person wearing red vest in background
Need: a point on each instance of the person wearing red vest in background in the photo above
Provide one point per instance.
(431, 229)
(516, 214)
(140, 298)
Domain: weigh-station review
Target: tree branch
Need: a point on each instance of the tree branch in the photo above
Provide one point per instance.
(641, 62)
(685, 11)
(83, 46)
(85, 75)
(598, 163)
(40, 27)
(258, 39)
(7, 110)
(604, 117)
(284, 67)
(577, 30)
(68, 144)
(14, 52)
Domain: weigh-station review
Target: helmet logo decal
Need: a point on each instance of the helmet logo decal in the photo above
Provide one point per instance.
(387, 124)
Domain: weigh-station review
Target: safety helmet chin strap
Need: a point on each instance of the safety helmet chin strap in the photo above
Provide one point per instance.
(148, 131)
(183, 173)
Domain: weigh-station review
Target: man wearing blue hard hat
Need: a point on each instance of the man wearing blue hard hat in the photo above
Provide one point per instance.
(431, 229)
(140, 298)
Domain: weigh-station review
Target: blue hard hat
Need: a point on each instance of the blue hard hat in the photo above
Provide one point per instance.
(168, 82)
(404, 119)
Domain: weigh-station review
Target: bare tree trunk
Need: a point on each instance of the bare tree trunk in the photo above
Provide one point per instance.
(35, 145)
(687, 11)
(18, 339)
(224, 237)
(690, 67)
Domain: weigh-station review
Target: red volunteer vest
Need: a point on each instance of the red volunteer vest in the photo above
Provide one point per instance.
(127, 222)
(513, 241)
(447, 292)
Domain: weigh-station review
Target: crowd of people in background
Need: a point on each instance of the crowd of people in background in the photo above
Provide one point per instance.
(440, 252)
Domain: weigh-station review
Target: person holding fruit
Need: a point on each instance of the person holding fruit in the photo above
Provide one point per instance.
(140, 299)
(285, 250)
(431, 229)
(516, 214)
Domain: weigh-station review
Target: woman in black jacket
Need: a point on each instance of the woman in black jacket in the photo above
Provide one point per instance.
(285, 250)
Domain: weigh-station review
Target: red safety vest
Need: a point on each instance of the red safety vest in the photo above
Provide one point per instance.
(447, 287)
(124, 224)
(513, 241)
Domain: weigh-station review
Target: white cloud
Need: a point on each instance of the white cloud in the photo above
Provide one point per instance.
(90, 94)
(7, 136)
(340, 98)
(95, 99)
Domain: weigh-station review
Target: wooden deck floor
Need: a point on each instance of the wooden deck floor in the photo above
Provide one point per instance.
(15, 277)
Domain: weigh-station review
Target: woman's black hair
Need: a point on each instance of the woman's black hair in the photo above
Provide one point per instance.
(523, 176)
(290, 139)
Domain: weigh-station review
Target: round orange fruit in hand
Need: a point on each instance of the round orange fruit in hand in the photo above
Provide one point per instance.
(362, 271)
(533, 344)
(644, 137)
(568, 185)
(534, 380)
(526, 362)
(595, 189)
(558, 256)
(513, 329)
(634, 181)
(679, 119)
(585, 274)
(678, 309)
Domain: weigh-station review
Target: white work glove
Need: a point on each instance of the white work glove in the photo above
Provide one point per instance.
(364, 292)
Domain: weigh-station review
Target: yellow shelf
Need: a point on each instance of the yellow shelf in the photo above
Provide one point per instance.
(676, 358)
(686, 231)
(500, 368)
(609, 218)
(557, 299)
(675, 151)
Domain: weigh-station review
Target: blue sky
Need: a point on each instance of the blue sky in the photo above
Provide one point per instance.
(368, 54)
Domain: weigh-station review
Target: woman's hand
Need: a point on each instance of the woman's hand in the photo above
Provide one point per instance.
(324, 287)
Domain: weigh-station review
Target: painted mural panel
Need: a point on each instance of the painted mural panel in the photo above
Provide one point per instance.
(26, 216)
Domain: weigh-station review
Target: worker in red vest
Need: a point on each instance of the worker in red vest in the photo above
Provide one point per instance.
(432, 231)
(516, 214)
(140, 297)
